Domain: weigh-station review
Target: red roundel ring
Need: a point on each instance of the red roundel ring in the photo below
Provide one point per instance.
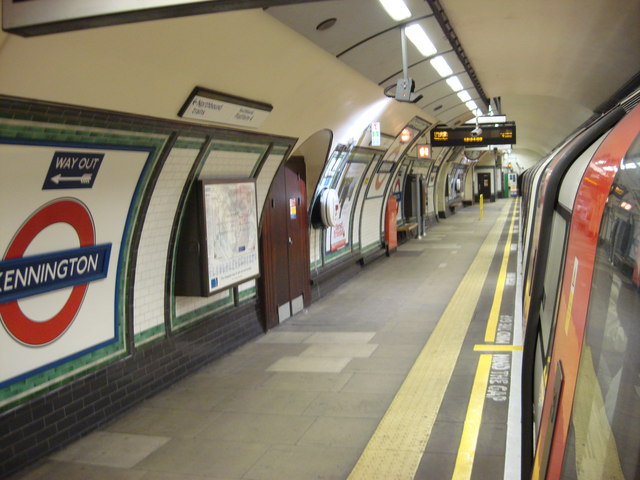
(22, 328)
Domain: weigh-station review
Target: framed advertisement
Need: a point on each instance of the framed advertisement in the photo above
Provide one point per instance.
(229, 224)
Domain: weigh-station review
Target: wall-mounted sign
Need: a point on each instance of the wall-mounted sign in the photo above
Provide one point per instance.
(60, 249)
(463, 136)
(405, 135)
(424, 151)
(70, 170)
(209, 106)
(375, 134)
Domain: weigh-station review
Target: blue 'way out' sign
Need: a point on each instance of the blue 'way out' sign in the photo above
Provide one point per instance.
(72, 170)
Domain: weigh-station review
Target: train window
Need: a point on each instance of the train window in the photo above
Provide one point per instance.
(603, 437)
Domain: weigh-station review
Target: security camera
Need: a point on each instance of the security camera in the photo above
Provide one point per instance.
(476, 132)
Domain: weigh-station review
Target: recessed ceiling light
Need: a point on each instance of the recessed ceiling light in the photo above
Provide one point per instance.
(471, 105)
(419, 38)
(464, 96)
(326, 24)
(441, 66)
(396, 9)
(455, 83)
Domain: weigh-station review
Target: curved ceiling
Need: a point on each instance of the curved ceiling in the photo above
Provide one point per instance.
(552, 63)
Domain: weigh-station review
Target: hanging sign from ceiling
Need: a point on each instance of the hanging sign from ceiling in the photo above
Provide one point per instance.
(504, 134)
(210, 106)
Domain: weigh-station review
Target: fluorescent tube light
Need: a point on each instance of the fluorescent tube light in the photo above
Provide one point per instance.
(441, 66)
(471, 105)
(464, 96)
(396, 9)
(419, 38)
(454, 83)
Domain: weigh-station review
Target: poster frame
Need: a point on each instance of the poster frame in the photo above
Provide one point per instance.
(237, 277)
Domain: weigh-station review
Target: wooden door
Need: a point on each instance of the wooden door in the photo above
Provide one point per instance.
(484, 186)
(285, 286)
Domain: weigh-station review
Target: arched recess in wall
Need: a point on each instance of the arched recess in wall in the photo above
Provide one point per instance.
(315, 151)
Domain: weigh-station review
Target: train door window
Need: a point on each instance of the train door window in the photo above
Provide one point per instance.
(603, 441)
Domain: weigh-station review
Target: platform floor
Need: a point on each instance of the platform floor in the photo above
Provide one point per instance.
(403, 372)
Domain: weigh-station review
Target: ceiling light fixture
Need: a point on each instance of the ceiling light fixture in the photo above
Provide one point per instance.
(455, 83)
(396, 9)
(464, 96)
(471, 105)
(441, 66)
(419, 38)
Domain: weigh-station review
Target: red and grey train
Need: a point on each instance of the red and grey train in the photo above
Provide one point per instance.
(580, 227)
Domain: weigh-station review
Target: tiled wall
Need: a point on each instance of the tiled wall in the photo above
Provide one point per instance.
(161, 337)
(150, 271)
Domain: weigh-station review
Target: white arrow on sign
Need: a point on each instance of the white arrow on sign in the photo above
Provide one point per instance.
(85, 178)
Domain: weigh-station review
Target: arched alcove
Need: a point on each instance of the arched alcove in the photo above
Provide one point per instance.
(315, 151)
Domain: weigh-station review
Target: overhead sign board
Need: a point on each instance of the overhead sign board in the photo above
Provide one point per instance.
(217, 107)
(38, 17)
(504, 134)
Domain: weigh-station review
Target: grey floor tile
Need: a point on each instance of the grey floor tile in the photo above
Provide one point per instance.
(204, 457)
(487, 466)
(179, 476)
(282, 336)
(303, 463)
(268, 401)
(53, 470)
(310, 364)
(438, 466)
(162, 421)
(374, 383)
(340, 350)
(349, 404)
(445, 437)
(257, 428)
(180, 398)
(340, 431)
(340, 337)
(401, 351)
(400, 338)
(307, 382)
(212, 380)
(397, 365)
(110, 449)
(492, 439)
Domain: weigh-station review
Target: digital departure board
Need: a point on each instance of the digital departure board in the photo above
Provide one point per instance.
(503, 134)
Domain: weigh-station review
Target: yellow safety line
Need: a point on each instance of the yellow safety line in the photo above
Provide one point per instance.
(492, 323)
(396, 447)
(473, 420)
(498, 348)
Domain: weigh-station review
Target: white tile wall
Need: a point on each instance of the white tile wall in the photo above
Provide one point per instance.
(357, 209)
(185, 305)
(148, 299)
(223, 164)
(371, 220)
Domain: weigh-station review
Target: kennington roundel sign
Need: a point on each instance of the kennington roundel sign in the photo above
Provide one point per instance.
(24, 276)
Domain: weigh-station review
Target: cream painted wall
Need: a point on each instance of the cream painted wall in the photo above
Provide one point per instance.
(150, 68)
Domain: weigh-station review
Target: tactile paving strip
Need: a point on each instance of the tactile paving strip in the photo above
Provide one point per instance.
(396, 447)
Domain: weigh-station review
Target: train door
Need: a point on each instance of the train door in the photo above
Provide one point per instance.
(284, 244)
(484, 185)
